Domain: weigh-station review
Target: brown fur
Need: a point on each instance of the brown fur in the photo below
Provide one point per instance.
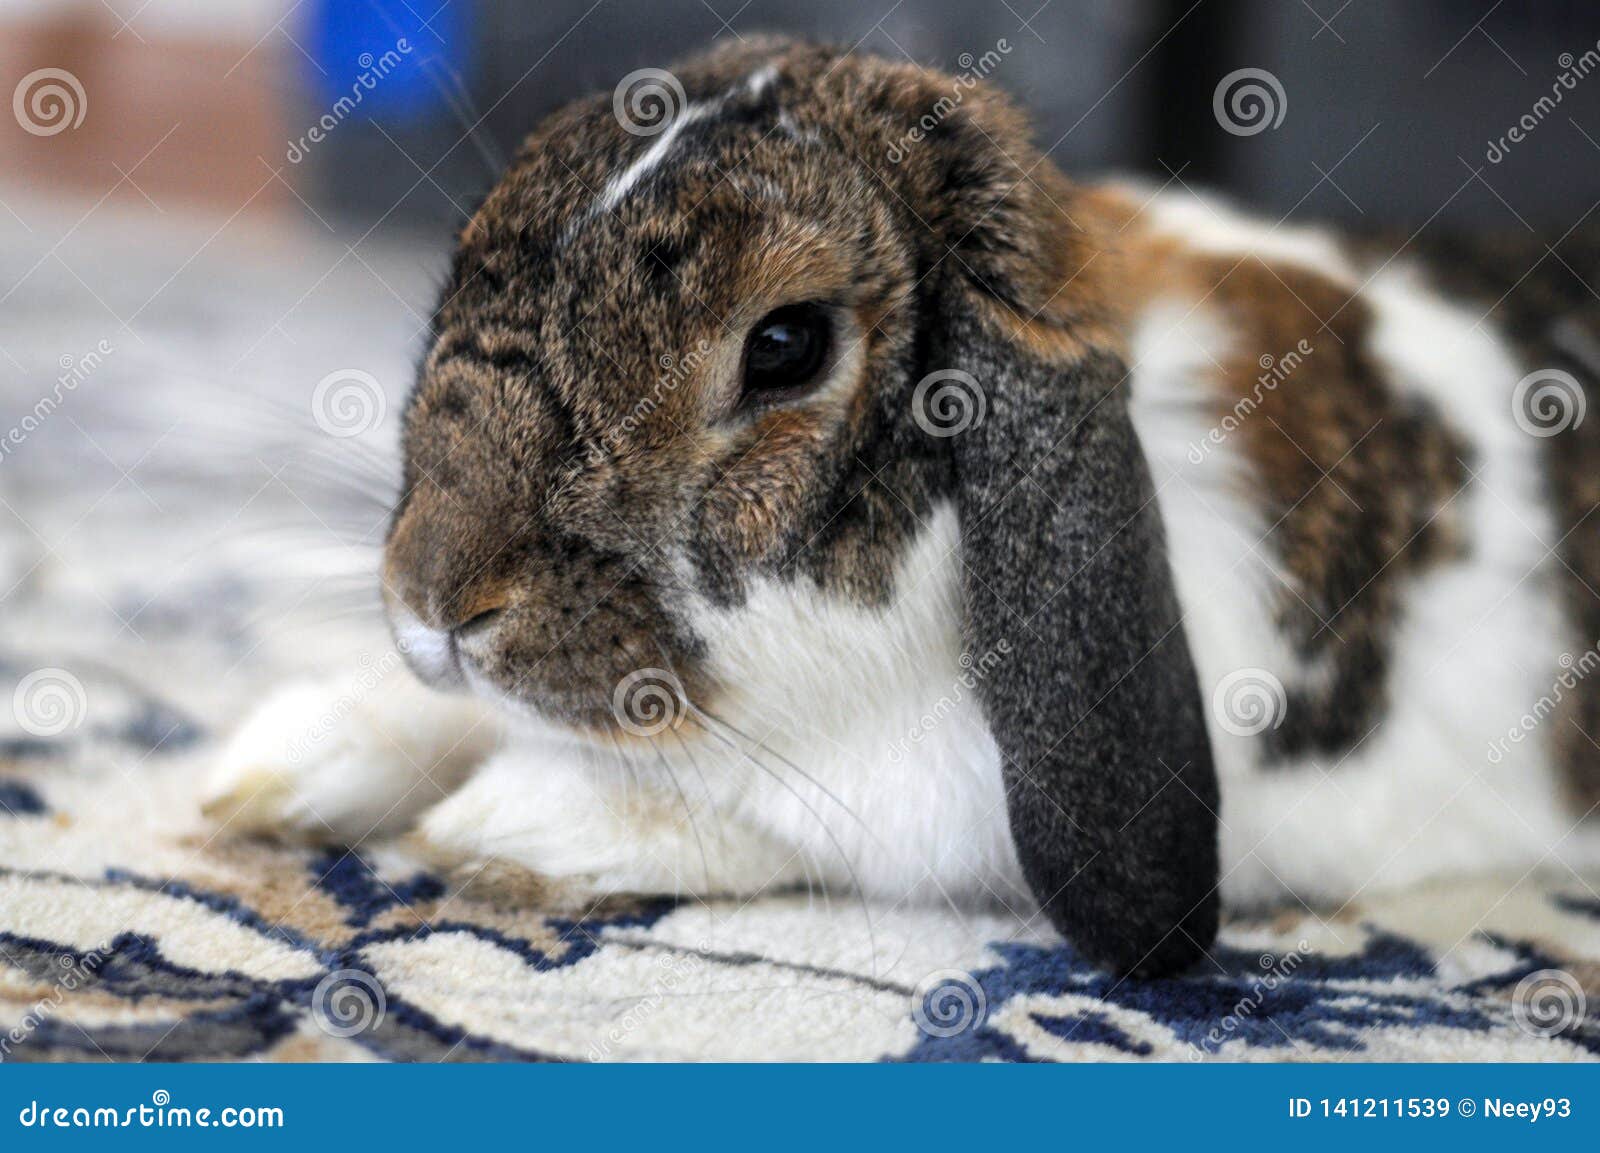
(551, 475)
(1353, 482)
(521, 493)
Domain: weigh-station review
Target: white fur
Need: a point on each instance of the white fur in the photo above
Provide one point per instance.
(902, 796)
(346, 760)
(1209, 224)
(427, 647)
(1478, 642)
(877, 707)
(856, 751)
(618, 187)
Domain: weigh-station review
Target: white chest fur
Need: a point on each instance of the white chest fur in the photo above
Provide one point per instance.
(882, 710)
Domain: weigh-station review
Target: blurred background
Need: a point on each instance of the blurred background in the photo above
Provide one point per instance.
(206, 99)
(222, 224)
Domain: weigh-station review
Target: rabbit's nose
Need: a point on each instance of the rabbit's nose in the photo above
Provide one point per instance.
(450, 637)
(470, 611)
(479, 622)
(432, 653)
(475, 635)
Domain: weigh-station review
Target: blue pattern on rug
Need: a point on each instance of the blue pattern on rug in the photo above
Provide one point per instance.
(20, 800)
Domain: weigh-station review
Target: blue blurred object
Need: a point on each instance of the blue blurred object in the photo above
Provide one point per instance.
(408, 62)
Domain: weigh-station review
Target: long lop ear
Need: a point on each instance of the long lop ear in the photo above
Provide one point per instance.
(1109, 782)
(1096, 707)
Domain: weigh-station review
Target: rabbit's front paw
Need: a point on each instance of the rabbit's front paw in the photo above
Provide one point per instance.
(585, 835)
(315, 761)
(535, 813)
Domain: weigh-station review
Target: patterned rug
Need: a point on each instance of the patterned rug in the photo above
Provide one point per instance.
(181, 529)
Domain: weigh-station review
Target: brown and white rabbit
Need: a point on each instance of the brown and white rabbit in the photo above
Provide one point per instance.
(816, 484)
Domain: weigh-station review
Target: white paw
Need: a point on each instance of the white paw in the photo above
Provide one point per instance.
(571, 821)
(550, 820)
(316, 759)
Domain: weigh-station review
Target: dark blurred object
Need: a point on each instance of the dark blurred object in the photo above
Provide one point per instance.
(394, 113)
(1397, 103)
(531, 59)
(1387, 104)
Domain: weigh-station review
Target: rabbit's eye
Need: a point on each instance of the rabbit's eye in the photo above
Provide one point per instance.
(786, 349)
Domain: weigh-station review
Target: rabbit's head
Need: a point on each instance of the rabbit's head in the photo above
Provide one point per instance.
(757, 324)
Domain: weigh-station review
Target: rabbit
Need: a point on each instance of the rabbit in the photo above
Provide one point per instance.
(813, 484)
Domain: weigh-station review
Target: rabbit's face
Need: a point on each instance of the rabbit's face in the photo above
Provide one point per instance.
(691, 395)
(664, 366)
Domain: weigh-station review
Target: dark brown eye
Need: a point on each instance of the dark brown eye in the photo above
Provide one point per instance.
(787, 349)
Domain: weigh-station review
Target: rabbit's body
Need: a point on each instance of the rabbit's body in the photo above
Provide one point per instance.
(1232, 493)
(1435, 681)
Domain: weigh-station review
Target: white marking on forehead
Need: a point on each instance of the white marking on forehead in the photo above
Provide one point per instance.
(618, 187)
(761, 79)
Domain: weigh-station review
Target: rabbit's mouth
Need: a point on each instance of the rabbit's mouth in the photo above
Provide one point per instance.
(609, 682)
